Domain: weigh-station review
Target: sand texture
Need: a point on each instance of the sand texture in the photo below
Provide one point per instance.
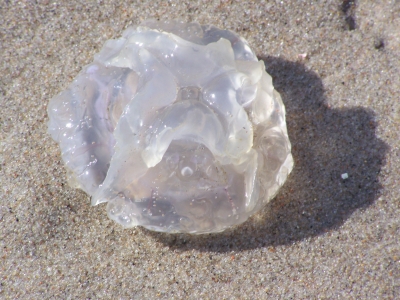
(336, 65)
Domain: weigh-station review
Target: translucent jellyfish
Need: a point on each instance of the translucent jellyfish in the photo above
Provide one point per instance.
(176, 126)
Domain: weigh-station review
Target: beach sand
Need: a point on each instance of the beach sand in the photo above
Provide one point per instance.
(337, 67)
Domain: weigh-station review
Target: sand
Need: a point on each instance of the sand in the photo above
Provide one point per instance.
(336, 65)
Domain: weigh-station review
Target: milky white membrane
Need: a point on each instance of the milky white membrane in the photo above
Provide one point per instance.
(176, 126)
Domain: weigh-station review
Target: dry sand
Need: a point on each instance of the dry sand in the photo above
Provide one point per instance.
(337, 67)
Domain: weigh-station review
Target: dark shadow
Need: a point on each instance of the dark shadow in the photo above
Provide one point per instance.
(326, 143)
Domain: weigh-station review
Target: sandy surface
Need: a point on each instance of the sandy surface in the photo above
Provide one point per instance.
(321, 237)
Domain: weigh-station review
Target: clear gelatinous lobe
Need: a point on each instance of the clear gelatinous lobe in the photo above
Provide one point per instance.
(176, 126)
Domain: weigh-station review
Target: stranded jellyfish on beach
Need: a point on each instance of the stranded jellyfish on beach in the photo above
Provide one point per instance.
(176, 126)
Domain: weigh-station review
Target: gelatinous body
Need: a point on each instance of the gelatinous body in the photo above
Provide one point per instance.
(176, 126)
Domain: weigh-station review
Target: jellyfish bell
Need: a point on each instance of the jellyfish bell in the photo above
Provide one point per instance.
(176, 126)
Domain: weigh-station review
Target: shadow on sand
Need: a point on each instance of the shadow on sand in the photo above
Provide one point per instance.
(326, 143)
